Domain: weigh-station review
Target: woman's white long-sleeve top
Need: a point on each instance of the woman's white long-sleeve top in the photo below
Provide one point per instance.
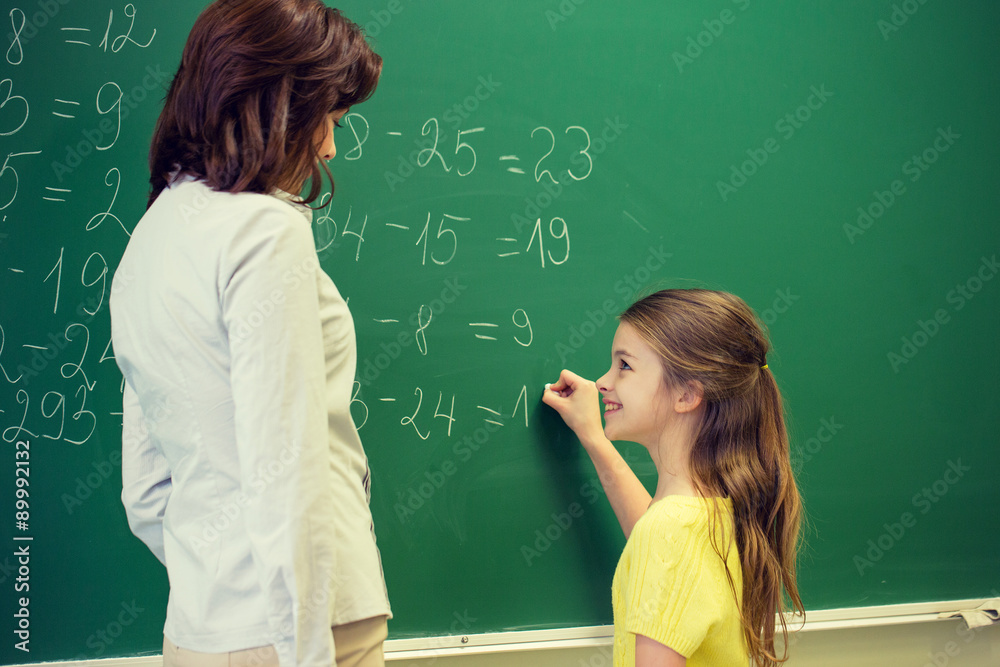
(242, 468)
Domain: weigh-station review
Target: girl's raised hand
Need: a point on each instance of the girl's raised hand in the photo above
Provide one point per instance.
(577, 402)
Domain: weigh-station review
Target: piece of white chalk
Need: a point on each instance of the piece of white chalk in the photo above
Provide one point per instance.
(547, 385)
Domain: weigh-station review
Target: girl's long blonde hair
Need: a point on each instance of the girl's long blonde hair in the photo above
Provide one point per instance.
(741, 450)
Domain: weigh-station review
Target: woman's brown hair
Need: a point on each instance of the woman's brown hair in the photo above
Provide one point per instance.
(741, 450)
(256, 82)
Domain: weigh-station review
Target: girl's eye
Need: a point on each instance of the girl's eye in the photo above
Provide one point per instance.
(624, 366)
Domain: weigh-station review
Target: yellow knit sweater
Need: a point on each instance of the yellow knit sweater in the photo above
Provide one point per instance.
(671, 585)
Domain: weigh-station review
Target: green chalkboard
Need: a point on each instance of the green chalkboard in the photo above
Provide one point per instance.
(524, 169)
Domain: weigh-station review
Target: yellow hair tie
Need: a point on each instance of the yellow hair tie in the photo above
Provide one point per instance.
(763, 367)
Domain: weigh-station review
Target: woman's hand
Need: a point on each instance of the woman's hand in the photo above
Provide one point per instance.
(578, 403)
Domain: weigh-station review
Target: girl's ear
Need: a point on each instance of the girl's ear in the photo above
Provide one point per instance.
(690, 397)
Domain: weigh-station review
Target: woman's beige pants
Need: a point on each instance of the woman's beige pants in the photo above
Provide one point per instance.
(358, 644)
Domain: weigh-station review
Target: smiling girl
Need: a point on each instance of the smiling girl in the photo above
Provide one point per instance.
(710, 558)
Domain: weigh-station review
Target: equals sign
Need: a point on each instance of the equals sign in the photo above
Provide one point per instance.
(513, 170)
(76, 41)
(493, 412)
(55, 190)
(64, 115)
(484, 324)
(508, 254)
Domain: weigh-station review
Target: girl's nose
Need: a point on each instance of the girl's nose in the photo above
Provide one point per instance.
(604, 383)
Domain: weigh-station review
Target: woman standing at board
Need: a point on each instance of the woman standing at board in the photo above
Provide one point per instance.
(242, 468)
(710, 557)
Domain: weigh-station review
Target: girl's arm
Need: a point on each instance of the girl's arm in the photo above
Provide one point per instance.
(576, 400)
(651, 653)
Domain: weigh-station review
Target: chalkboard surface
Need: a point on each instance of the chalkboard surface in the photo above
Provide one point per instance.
(524, 169)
